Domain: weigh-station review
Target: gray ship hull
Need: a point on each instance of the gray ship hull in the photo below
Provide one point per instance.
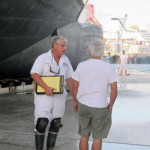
(26, 27)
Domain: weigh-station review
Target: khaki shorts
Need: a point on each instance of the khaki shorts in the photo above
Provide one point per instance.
(94, 120)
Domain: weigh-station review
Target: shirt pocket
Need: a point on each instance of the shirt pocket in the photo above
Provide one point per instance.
(64, 70)
(46, 69)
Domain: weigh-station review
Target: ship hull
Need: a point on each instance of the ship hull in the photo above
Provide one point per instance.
(26, 27)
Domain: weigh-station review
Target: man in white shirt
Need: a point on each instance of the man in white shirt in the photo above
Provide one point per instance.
(49, 108)
(92, 79)
(123, 63)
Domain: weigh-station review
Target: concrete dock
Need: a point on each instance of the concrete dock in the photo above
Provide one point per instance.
(130, 129)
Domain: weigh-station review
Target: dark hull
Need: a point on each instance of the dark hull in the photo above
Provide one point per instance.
(25, 30)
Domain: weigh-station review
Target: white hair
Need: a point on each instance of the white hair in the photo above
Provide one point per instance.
(96, 48)
(56, 39)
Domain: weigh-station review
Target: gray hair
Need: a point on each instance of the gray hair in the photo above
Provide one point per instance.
(56, 39)
(96, 48)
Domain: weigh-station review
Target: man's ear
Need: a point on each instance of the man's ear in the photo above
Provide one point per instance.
(54, 46)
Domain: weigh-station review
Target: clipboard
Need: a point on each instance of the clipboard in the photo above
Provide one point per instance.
(56, 82)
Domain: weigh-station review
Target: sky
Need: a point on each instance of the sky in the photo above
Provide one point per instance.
(138, 11)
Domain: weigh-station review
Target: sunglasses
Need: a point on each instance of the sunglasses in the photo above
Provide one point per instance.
(54, 68)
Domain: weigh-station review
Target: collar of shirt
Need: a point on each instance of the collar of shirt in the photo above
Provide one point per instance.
(62, 58)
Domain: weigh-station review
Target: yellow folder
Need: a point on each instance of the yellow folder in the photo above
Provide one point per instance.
(56, 82)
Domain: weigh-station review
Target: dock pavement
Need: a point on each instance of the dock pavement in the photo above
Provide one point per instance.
(130, 128)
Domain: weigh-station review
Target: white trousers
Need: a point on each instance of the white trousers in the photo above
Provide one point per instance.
(123, 66)
(49, 106)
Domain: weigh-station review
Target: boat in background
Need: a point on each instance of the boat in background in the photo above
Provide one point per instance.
(26, 27)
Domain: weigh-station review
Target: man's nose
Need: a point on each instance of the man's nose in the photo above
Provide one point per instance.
(64, 48)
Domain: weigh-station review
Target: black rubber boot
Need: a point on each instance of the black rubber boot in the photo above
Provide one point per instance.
(39, 141)
(51, 140)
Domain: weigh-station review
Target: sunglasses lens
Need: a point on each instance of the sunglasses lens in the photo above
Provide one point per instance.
(54, 68)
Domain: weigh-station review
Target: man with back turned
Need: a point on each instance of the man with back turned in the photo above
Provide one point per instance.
(92, 79)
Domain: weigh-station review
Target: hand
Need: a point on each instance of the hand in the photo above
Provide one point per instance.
(110, 107)
(75, 106)
(49, 91)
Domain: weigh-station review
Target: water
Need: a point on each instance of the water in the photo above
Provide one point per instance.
(136, 68)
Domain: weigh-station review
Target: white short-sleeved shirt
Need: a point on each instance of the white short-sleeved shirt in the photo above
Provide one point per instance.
(94, 77)
(124, 59)
(42, 64)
